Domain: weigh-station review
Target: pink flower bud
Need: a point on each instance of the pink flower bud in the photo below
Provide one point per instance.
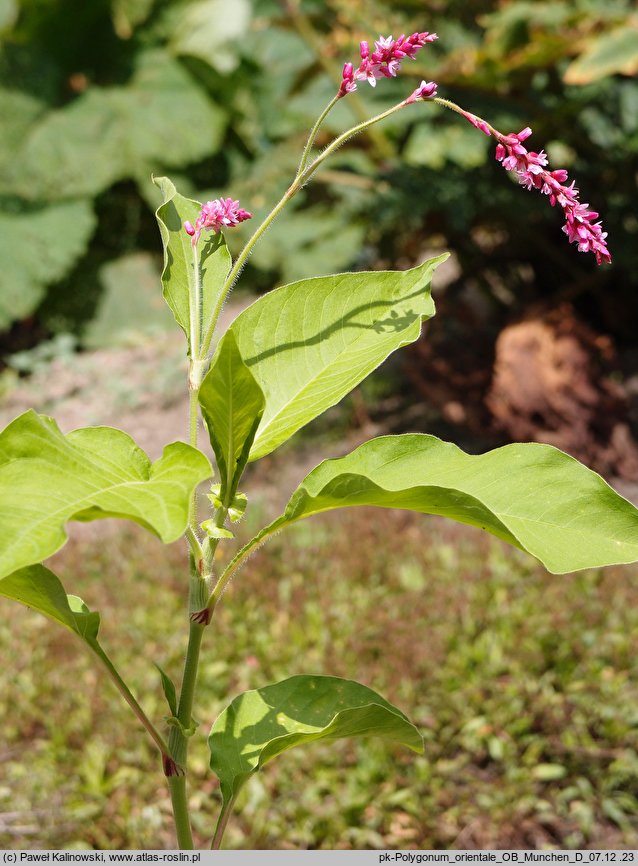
(426, 90)
(189, 227)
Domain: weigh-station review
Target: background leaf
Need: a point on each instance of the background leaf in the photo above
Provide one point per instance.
(161, 117)
(532, 496)
(130, 307)
(309, 343)
(261, 724)
(232, 404)
(178, 275)
(606, 54)
(47, 478)
(212, 30)
(58, 235)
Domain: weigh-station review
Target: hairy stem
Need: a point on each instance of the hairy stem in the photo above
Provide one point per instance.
(193, 417)
(313, 134)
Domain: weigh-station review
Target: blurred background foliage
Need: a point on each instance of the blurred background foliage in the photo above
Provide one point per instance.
(97, 97)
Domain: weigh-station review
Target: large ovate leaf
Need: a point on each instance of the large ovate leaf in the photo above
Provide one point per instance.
(38, 247)
(232, 405)
(261, 724)
(533, 496)
(178, 276)
(308, 343)
(38, 588)
(47, 478)
(161, 117)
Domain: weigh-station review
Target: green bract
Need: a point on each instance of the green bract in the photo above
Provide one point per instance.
(47, 478)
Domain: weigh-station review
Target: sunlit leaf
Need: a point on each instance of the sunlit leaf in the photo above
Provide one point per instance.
(533, 496)
(309, 343)
(261, 724)
(47, 478)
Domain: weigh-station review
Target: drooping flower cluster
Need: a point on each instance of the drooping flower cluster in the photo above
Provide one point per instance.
(531, 168)
(216, 215)
(384, 61)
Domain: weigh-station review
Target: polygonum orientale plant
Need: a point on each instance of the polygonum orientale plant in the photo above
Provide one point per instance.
(283, 361)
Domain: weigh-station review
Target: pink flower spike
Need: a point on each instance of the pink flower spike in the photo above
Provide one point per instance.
(530, 167)
(426, 90)
(385, 60)
(215, 215)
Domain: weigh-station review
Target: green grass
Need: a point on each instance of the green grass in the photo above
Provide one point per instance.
(524, 684)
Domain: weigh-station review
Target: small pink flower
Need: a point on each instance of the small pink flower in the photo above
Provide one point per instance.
(426, 90)
(384, 61)
(216, 215)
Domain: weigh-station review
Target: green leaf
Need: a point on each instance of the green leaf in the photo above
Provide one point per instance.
(40, 589)
(607, 54)
(232, 405)
(39, 247)
(261, 724)
(47, 478)
(533, 496)
(178, 276)
(161, 117)
(309, 343)
(168, 687)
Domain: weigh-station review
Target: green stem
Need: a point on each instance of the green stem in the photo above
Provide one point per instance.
(177, 788)
(222, 821)
(196, 316)
(313, 133)
(177, 741)
(240, 557)
(193, 417)
(303, 178)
